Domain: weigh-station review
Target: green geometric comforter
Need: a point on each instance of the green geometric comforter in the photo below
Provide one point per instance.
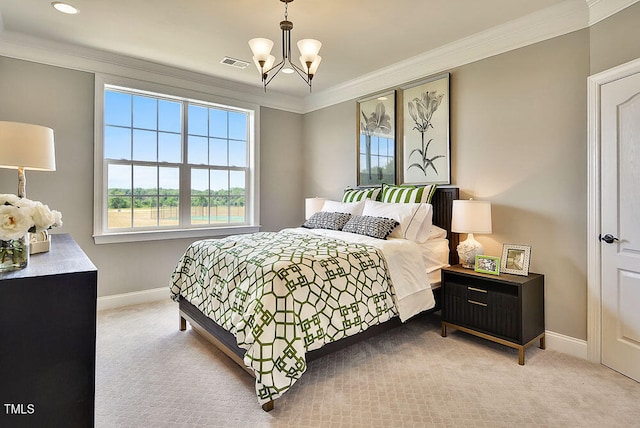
(282, 294)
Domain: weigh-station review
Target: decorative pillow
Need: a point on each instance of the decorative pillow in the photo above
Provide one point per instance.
(376, 227)
(355, 195)
(353, 208)
(404, 194)
(327, 220)
(414, 219)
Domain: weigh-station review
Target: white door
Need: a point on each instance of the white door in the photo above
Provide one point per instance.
(620, 225)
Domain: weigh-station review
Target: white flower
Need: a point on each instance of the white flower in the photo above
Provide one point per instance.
(42, 216)
(13, 223)
(20, 215)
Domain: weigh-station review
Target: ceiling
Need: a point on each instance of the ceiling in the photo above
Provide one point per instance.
(358, 36)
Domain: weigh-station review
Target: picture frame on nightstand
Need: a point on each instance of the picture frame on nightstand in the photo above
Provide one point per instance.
(515, 259)
(488, 264)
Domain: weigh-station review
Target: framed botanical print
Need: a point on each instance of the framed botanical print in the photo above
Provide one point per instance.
(376, 129)
(426, 154)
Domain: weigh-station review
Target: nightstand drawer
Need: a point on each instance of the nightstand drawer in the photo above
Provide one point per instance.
(483, 309)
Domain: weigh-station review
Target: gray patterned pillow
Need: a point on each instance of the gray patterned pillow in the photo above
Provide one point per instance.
(327, 220)
(376, 227)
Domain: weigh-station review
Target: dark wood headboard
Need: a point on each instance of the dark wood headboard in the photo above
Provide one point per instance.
(442, 202)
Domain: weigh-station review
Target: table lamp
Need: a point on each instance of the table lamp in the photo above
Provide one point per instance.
(25, 146)
(312, 206)
(469, 216)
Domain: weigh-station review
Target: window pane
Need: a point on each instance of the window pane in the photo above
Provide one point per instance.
(119, 179)
(145, 179)
(199, 210)
(117, 108)
(168, 211)
(237, 209)
(237, 126)
(169, 179)
(198, 121)
(169, 116)
(237, 179)
(119, 212)
(145, 112)
(237, 153)
(219, 209)
(145, 146)
(219, 182)
(117, 143)
(145, 211)
(169, 147)
(199, 182)
(217, 152)
(217, 123)
(198, 150)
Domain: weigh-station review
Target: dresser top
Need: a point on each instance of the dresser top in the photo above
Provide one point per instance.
(65, 256)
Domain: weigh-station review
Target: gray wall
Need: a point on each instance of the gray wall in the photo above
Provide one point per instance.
(614, 40)
(518, 139)
(63, 100)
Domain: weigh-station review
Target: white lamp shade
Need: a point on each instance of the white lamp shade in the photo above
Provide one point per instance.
(27, 146)
(314, 65)
(312, 206)
(268, 64)
(471, 216)
(261, 48)
(309, 49)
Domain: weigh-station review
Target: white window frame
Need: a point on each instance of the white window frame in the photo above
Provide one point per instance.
(102, 235)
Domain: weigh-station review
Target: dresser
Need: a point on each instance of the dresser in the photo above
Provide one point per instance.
(48, 339)
(507, 309)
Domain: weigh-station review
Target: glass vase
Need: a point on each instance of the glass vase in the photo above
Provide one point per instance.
(14, 254)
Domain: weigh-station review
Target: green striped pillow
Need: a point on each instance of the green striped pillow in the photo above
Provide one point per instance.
(356, 195)
(405, 194)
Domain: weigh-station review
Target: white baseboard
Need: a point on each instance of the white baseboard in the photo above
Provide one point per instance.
(133, 298)
(566, 344)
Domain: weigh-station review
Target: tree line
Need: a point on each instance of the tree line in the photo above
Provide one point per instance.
(146, 198)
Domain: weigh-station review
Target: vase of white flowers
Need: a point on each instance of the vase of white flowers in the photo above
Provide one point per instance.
(18, 217)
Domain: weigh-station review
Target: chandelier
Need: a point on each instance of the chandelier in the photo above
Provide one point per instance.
(308, 48)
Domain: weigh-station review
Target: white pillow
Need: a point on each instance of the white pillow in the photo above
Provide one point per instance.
(353, 208)
(436, 232)
(414, 218)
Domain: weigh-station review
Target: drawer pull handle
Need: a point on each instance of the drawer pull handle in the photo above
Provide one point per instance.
(477, 289)
(477, 303)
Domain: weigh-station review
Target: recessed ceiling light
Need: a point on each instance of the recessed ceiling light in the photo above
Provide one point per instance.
(287, 70)
(65, 8)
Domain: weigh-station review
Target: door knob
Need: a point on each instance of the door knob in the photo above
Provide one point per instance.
(608, 238)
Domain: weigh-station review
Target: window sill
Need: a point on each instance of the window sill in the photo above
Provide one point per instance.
(158, 235)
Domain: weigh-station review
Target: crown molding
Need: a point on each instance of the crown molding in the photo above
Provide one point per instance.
(74, 57)
(602, 9)
(563, 18)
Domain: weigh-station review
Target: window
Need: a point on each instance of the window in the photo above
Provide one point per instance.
(172, 164)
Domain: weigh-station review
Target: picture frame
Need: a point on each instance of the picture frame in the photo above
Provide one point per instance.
(516, 259)
(376, 131)
(487, 264)
(424, 131)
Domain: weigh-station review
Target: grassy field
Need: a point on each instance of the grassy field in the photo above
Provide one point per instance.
(148, 217)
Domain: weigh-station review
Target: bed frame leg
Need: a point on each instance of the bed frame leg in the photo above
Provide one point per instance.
(268, 406)
(183, 324)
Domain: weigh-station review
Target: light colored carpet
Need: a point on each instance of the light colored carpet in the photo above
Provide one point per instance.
(150, 374)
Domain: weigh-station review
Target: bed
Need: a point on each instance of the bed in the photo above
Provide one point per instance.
(282, 299)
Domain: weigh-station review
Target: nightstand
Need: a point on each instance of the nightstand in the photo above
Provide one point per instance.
(507, 309)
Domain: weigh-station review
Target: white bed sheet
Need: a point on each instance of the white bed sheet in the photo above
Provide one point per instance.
(406, 262)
